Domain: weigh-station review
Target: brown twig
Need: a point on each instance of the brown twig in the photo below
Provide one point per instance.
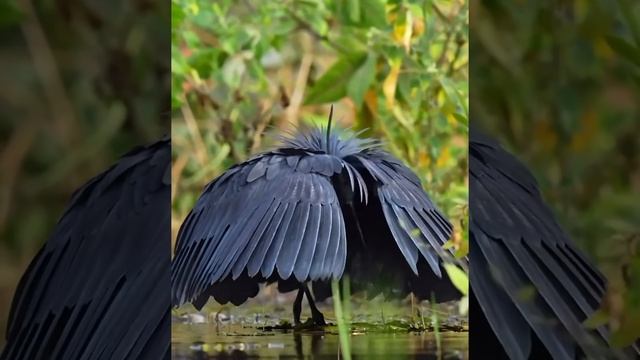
(300, 84)
(459, 44)
(194, 131)
(256, 142)
(445, 47)
(176, 172)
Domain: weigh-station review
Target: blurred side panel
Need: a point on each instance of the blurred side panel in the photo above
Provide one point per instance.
(557, 85)
(83, 82)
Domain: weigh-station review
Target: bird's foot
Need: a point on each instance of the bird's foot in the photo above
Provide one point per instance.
(311, 324)
(318, 319)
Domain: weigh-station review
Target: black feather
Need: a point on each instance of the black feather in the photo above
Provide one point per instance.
(280, 216)
(95, 289)
(518, 248)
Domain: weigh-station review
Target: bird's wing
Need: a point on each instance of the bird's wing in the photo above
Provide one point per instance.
(96, 289)
(276, 211)
(417, 225)
(525, 272)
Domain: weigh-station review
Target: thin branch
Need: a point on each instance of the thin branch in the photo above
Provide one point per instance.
(194, 131)
(308, 28)
(176, 174)
(440, 14)
(456, 55)
(297, 96)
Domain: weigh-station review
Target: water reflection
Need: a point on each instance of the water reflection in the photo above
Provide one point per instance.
(205, 344)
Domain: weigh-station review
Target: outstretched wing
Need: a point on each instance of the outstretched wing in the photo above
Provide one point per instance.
(525, 272)
(274, 212)
(96, 289)
(417, 225)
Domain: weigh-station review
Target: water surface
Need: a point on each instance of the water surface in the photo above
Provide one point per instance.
(205, 341)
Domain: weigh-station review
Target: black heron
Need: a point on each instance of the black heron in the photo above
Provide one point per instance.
(317, 207)
(99, 287)
(531, 287)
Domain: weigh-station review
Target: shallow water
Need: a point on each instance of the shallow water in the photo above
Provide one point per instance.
(203, 341)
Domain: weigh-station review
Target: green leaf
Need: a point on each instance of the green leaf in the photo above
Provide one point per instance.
(624, 48)
(352, 42)
(458, 277)
(333, 84)
(461, 118)
(596, 319)
(631, 17)
(362, 13)
(233, 71)
(452, 94)
(629, 330)
(373, 13)
(9, 14)
(362, 80)
(354, 10)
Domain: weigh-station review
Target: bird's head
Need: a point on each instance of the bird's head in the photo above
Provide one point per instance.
(333, 141)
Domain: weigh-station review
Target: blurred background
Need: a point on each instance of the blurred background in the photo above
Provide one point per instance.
(559, 84)
(244, 71)
(82, 83)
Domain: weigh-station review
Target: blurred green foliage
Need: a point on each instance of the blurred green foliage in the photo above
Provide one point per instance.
(398, 68)
(559, 83)
(82, 83)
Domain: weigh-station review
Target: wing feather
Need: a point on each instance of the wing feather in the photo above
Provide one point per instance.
(340, 258)
(501, 312)
(415, 223)
(295, 236)
(401, 233)
(263, 215)
(104, 262)
(258, 235)
(517, 234)
(324, 237)
(262, 245)
(336, 236)
(311, 237)
(274, 250)
(536, 311)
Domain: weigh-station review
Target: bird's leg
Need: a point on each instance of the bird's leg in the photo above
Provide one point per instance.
(316, 315)
(297, 307)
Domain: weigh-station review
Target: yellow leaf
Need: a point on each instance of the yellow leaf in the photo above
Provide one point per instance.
(391, 82)
(418, 27)
(371, 100)
(194, 8)
(403, 30)
(463, 249)
(602, 48)
(545, 133)
(423, 158)
(588, 130)
(463, 305)
(458, 277)
(406, 39)
(444, 157)
(451, 119)
(398, 32)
